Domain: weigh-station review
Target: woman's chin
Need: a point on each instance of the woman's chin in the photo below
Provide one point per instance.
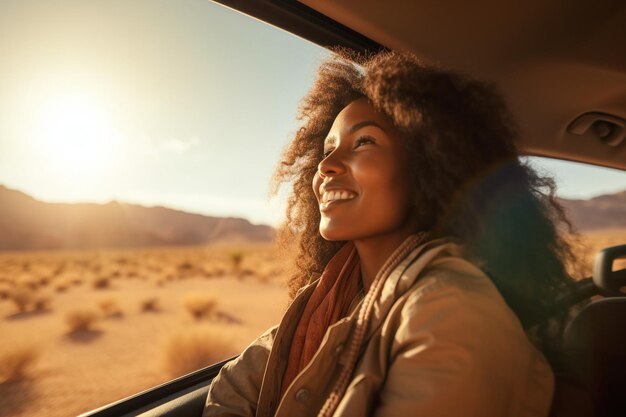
(334, 235)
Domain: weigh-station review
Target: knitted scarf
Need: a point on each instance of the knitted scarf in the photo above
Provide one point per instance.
(330, 301)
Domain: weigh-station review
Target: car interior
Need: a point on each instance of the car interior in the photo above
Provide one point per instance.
(562, 69)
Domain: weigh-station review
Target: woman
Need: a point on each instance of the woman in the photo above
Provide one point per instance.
(437, 250)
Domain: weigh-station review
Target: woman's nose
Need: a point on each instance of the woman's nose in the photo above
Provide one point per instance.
(331, 165)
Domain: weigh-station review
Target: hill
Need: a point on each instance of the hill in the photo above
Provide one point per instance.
(603, 212)
(29, 224)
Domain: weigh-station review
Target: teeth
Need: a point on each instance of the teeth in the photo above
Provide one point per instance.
(337, 195)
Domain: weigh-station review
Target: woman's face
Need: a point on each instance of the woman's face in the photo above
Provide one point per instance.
(361, 185)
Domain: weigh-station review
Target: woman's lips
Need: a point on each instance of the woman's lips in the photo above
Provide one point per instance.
(336, 194)
(333, 198)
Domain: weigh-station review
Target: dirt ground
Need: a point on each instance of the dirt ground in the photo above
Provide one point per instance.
(139, 307)
(127, 352)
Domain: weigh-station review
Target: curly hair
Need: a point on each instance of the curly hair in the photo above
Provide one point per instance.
(467, 180)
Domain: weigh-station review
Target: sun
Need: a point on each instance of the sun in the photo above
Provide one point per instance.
(74, 135)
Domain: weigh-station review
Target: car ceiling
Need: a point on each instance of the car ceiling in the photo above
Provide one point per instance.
(553, 60)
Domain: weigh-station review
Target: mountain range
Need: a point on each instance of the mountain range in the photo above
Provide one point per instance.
(29, 224)
(606, 211)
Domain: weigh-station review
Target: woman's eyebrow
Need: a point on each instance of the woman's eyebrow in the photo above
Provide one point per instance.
(331, 140)
(361, 125)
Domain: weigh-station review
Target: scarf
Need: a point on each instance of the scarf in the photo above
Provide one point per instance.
(330, 301)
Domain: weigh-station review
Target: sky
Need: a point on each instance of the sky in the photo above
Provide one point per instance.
(183, 104)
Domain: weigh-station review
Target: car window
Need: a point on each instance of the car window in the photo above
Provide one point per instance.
(594, 199)
(137, 141)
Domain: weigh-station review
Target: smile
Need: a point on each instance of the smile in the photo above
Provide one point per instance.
(333, 198)
(334, 195)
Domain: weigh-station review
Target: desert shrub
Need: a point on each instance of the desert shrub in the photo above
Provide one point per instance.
(110, 308)
(149, 304)
(101, 282)
(236, 258)
(81, 319)
(247, 272)
(41, 302)
(61, 287)
(29, 283)
(5, 291)
(76, 280)
(17, 362)
(201, 305)
(22, 297)
(185, 266)
(192, 349)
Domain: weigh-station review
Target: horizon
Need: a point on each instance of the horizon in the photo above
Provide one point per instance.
(213, 215)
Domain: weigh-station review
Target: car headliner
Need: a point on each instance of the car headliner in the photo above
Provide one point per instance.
(553, 61)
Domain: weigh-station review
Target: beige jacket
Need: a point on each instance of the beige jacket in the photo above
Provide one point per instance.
(442, 342)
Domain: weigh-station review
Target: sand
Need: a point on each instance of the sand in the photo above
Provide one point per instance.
(77, 372)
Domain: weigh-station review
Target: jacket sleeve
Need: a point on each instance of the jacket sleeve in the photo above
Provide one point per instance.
(460, 352)
(235, 390)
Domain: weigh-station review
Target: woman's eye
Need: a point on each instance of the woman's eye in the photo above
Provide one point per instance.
(327, 152)
(363, 140)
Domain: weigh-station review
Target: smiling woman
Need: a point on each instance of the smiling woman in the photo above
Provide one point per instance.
(74, 137)
(425, 251)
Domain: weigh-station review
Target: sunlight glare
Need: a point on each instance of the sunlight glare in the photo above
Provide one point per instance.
(74, 135)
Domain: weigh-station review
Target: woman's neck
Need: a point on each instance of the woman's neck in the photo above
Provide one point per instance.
(374, 252)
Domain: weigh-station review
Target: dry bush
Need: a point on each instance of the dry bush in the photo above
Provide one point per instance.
(42, 302)
(149, 304)
(236, 258)
(44, 281)
(201, 306)
(61, 287)
(110, 308)
(29, 283)
(17, 362)
(186, 266)
(75, 281)
(247, 272)
(101, 283)
(22, 297)
(81, 319)
(192, 349)
(5, 291)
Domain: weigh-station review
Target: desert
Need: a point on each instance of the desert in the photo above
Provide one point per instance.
(81, 329)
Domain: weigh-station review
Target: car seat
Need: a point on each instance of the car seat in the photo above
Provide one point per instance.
(591, 368)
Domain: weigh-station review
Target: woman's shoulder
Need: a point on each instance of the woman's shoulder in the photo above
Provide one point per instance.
(454, 307)
(452, 291)
(451, 271)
